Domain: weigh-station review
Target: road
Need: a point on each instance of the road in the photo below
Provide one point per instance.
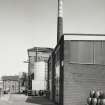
(17, 99)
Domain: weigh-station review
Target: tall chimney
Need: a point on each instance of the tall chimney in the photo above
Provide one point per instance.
(60, 20)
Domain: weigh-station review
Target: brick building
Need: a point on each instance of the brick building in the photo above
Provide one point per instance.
(76, 66)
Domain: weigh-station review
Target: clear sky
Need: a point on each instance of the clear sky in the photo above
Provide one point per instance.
(28, 23)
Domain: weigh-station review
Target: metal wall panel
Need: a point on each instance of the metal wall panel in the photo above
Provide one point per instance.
(66, 51)
(103, 52)
(81, 52)
(97, 52)
(85, 52)
(74, 48)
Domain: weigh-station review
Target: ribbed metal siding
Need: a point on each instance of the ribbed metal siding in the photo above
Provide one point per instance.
(85, 52)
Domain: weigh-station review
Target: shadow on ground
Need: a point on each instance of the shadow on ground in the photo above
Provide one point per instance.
(39, 100)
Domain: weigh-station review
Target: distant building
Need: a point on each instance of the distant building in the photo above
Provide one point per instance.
(15, 84)
(10, 84)
(1, 87)
(37, 67)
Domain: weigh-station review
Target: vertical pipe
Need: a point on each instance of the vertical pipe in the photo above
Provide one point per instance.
(60, 20)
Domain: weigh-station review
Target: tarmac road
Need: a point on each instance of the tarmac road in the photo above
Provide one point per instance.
(18, 99)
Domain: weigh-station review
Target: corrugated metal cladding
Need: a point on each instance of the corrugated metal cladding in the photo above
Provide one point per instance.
(85, 52)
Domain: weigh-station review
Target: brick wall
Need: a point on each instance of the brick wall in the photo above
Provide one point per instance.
(79, 80)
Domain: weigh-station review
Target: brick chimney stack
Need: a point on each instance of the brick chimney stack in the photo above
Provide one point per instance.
(60, 20)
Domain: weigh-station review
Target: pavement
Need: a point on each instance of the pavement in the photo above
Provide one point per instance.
(20, 99)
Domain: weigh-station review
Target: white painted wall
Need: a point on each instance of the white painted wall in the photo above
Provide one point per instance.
(39, 82)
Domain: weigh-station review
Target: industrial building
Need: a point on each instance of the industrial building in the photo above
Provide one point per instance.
(10, 84)
(15, 84)
(37, 68)
(76, 66)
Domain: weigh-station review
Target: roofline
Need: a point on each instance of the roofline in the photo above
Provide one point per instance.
(89, 34)
(40, 48)
(14, 78)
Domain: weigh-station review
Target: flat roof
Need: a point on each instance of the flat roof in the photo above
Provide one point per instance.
(87, 34)
(96, 37)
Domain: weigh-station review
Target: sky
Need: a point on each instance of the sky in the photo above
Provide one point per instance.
(28, 23)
